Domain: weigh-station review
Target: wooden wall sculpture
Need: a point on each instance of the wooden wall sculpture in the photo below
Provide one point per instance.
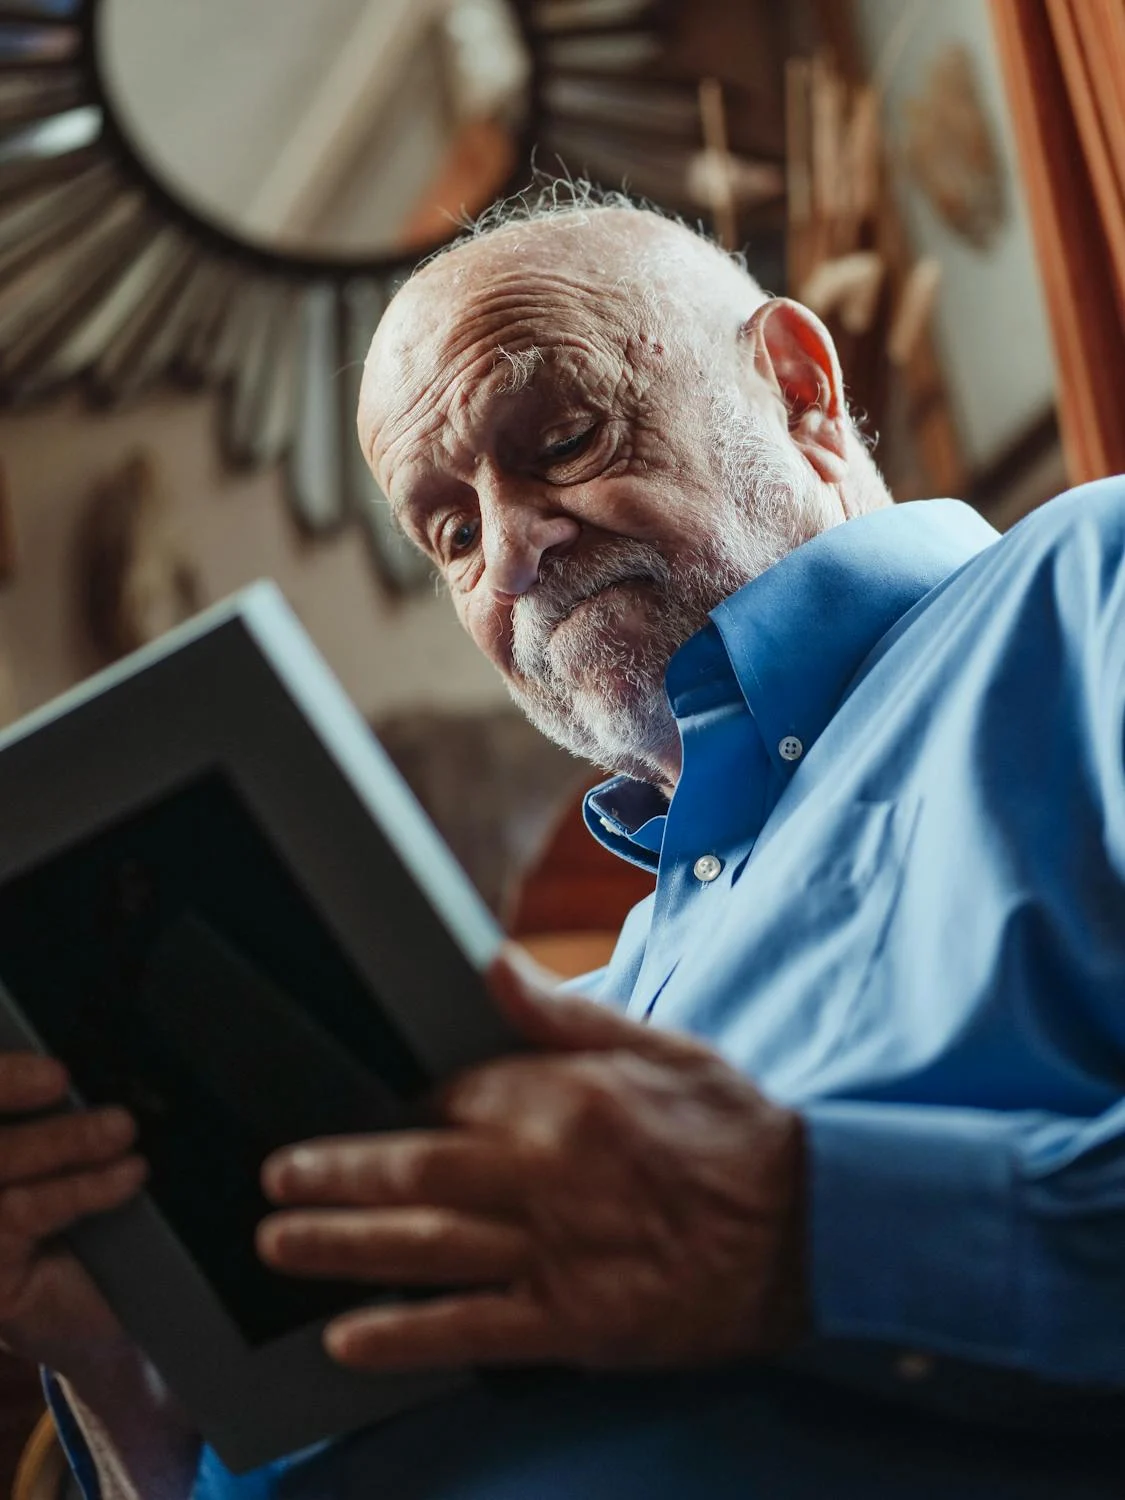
(134, 579)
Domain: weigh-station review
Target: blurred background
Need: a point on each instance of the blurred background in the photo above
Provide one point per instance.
(204, 208)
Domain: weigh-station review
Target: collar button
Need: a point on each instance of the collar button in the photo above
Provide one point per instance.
(707, 867)
(790, 748)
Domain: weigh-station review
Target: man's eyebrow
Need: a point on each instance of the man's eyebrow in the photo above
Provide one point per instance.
(401, 511)
(525, 366)
(408, 514)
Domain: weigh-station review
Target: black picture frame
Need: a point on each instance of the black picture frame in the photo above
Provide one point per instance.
(176, 986)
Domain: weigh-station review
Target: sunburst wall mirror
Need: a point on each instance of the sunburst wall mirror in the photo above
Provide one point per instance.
(224, 193)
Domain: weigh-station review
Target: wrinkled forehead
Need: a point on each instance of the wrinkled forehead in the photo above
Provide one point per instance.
(487, 304)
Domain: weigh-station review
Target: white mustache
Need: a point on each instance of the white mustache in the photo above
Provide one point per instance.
(563, 585)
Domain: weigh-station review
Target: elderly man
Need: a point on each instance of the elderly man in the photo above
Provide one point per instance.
(827, 1196)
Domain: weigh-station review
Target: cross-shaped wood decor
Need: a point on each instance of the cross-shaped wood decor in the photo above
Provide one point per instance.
(899, 338)
(846, 256)
(840, 263)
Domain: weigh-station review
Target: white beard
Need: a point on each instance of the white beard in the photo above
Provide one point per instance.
(596, 687)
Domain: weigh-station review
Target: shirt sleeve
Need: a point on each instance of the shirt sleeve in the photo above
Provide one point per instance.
(214, 1481)
(992, 1237)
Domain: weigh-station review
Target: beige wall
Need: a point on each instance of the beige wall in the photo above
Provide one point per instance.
(388, 655)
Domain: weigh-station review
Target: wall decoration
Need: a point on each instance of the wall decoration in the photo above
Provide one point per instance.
(167, 213)
(135, 581)
(849, 261)
(9, 546)
(990, 342)
(950, 149)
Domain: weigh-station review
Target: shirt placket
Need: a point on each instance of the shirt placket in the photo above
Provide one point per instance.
(710, 828)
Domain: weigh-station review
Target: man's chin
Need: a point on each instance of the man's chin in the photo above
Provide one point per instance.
(613, 696)
(614, 724)
(612, 627)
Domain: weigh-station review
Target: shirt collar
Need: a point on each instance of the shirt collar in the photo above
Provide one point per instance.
(797, 635)
(795, 638)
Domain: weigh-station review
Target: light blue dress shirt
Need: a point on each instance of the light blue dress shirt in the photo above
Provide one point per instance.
(891, 890)
(905, 746)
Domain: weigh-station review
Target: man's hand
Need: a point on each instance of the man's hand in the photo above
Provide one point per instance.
(618, 1199)
(53, 1172)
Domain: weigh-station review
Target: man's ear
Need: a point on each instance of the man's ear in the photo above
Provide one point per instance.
(794, 353)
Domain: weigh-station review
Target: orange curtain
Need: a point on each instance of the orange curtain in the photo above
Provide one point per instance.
(1064, 67)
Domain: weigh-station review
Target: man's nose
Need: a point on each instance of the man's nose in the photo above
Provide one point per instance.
(518, 534)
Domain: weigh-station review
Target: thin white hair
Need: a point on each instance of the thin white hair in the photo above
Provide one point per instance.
(551, 197)
(524, 363)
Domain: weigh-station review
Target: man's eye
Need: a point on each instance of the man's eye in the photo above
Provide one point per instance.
(460, 538)
(568, 447)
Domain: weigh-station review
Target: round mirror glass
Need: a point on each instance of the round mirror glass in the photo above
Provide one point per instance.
(351, 128)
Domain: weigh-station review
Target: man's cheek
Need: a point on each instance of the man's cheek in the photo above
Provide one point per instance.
(489, 623)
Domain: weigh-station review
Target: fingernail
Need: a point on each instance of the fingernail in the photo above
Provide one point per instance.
(131, 1172)
(266, 1240)
(337, 1341)
(116, 1125)
(274, 1237)
(290, 1169)
(44, 1072)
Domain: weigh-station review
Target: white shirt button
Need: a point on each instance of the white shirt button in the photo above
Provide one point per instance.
(707, 867)
(790, 748)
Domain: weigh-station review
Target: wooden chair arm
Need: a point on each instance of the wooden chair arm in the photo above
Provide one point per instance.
(43, 1471)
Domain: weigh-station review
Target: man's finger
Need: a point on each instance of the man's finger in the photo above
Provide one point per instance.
(425, 1166)
(415, 1246)
(29, 1080)
(38, 1209)
(453, 1332)
(47, 1147)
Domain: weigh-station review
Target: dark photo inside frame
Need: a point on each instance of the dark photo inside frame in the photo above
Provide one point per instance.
(172, 962)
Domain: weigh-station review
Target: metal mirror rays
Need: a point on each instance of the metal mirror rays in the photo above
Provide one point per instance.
(112, 278)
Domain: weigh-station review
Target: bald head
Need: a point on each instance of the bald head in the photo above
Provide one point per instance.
(598, 426)
(648, 270)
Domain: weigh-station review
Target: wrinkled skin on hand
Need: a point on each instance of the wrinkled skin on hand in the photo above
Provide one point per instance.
(55, 1171)
(619, 1198)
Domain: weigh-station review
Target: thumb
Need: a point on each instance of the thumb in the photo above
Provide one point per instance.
(528, 996)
